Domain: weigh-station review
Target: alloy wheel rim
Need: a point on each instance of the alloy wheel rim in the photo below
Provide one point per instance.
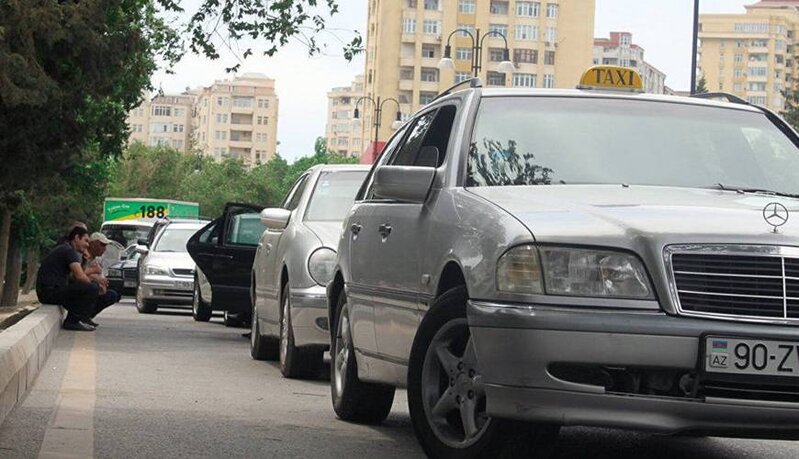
(196, 303)
(342, 352)
(453, 393)
(284, 331)
(253, 328)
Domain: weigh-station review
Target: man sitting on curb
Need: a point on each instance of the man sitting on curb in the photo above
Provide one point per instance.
(79, 297)
(94, 269)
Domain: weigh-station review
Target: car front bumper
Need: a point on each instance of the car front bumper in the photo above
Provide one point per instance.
(571, 366)
(168, 290)
(309, 316)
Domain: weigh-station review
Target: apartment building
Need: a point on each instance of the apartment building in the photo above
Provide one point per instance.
(237, 119)
(343, 132)
(550, 43)
(619, 49)
(162, 121)
(752, 54)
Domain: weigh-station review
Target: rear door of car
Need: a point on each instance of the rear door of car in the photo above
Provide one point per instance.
(241, 230)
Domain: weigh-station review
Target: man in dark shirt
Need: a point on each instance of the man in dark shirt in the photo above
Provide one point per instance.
(53, 285)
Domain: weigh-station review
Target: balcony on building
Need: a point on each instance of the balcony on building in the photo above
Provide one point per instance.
(244, 105)
(241, 121)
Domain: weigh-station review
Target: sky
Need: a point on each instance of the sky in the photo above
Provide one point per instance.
(662, 28)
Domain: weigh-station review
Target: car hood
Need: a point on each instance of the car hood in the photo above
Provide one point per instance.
(124, 264)
(172, 260)
(327, 232)
(620, 215)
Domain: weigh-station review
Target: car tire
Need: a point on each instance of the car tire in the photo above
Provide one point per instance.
(145, 306)
(353, 399)
(261, 347)
(200, 310)
(446, 396)
(295, 363)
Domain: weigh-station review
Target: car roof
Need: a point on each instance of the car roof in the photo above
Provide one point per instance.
(590, 93)
(186, 224)
(129, 223)
(340, 167)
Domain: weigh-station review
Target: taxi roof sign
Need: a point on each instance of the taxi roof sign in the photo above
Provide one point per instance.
(612, 77)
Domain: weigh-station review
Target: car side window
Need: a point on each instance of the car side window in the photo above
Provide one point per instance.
(244, 230)
(438, 136)
(406, 156)
(211, 233)
(392, 145)
(293, 198)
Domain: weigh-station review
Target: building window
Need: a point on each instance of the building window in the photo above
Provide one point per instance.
(426, 97)
(549, 58)
(499, 7)
(758, 71)
(626, 40)
(495, 79)
(528, 9)
(343, 141)
(755, 86)
(432, 27)
(738, 87)
(462, 76)
(756, 100)
(739, 58)
(466, 28)
(428, 52)
(525, 56)
(221, 135)
(496, 54)
(263, 103)
(463, 54)
(177, 144)
(549, 81)
(177, 128)
(624, 62)
(552, 35)
(406, 73)
(178, 111)
(221, 118)
(222, 101)
(261, 137)
(430, 75)
(751, 28)
(431, 4)
(408, 25)
(245, 102)
(160, 110)
(466, 6)
(526, 32)
(738, 73)
(552, 10)
(525, 80)
(498, 28)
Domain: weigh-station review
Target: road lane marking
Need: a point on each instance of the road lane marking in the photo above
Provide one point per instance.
(70, 433)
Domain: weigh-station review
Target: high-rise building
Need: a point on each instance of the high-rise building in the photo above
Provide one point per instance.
(751, 55)
(237, 119)
(162, 121)
(550, 42)
(343, 131)
(619, 49)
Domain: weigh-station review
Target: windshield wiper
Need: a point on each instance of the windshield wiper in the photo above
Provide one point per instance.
(744, 190)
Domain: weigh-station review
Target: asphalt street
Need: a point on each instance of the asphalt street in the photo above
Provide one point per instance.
(163, 385)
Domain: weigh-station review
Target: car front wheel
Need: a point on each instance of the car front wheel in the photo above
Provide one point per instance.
(144, 306)
(353, 400)
(261, 347)
(295, 362)
(200, 310)
(446, 392)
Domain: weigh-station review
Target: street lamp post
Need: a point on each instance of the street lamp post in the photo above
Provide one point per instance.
(506, 66)
(694, 47)
(378, 111)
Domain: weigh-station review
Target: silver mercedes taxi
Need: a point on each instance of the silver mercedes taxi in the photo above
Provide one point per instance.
(522, 260)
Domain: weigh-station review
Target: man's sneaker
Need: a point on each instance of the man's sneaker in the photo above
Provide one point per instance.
(78, 326)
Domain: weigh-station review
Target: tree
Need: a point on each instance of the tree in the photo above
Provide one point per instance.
(701, 86)
(791, 112)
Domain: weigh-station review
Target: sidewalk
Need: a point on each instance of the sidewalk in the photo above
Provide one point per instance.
(25, 305)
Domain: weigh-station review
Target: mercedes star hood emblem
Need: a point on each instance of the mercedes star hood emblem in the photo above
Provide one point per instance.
(776, 215)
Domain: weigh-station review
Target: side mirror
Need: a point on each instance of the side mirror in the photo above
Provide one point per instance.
(404, 183)
(275, 218)
(143, 242)
(142, 249)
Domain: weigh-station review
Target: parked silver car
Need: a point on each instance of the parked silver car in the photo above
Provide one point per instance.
(293, 265)
(166, 271)
(573, 257)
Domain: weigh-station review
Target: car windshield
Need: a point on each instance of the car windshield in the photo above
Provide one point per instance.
(333, 195)
(125, 234)
(558, 140)
(174, 239)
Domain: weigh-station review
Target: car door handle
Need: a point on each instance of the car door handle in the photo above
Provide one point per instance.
(224, 257)
(355, 228)
(384, 230)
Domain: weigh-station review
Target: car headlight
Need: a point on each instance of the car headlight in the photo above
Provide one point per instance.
(156, 271)
(113, 272)
(575, 272)
(322, 265)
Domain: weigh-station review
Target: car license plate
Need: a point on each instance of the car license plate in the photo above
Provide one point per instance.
(188, 285)
(130, 283)
(751, 356)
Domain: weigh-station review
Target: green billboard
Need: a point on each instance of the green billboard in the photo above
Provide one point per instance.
(121, 209)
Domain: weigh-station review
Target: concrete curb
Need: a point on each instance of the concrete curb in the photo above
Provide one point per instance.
(24, 348)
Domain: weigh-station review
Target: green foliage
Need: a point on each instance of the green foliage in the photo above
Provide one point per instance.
(160, 172)
(701, 86)
(791, 112)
